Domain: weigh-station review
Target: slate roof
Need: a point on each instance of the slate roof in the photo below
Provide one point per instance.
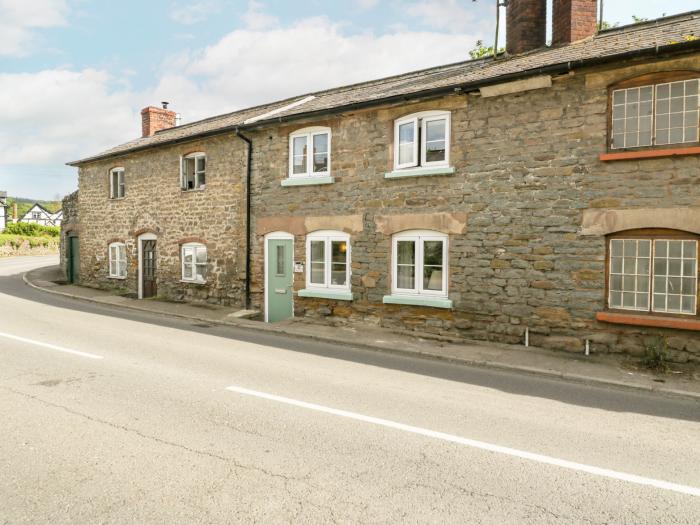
(663, 34)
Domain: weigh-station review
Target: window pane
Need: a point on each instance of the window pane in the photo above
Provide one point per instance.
(677, 112)
(200, 181)
(339, 251)
(435, 151)
(675, 277)
(406, 153)
(188, 174)
(280, 259)
(201, 272)
(320, 162)
(318, 250)
(339, 274)
(299, 151)
(432, 253)
(432, 278)
(201, 255)
(406, 252)
(317, 273)
(407, 133)
(321, 143)
(201, 163)
(435, 130)
(187, 271)
(629, 274)
(405, 277)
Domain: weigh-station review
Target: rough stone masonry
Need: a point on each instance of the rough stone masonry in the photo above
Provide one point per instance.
(527, 173)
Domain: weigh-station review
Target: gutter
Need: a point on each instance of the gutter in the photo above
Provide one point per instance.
(562, 67)
(249, 168)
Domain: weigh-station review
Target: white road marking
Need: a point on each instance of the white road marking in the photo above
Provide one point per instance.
(50, 346)
(632, 478)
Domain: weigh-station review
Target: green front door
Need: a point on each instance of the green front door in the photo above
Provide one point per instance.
(280, 304)
(73, 259)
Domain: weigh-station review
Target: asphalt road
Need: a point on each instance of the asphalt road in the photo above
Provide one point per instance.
(114, 416)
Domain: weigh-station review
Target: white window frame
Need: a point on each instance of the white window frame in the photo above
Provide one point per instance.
(196, 156)
(309, 134)
(419, 237)
(115, 264)
(195, 247)
(328, 237)
(121, 183)
(419, 121)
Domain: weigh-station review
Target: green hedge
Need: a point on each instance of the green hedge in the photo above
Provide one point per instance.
(32, 230)
(16, 241)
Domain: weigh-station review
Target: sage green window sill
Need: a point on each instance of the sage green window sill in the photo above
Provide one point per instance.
(326, 294)
(308, 181)
(419, 172)
(434, 302)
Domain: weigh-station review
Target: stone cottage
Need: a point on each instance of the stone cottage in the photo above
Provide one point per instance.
(547, 195)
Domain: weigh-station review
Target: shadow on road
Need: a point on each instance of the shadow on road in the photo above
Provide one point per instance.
(604, 398)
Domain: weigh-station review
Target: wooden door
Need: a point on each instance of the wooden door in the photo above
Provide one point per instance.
(148, 269)
(73, 259)
(280, 276)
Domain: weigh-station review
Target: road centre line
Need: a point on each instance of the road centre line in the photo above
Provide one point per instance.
(50, 346)
(539, 458)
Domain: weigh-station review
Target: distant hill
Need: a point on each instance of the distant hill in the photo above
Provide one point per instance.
(23, 205)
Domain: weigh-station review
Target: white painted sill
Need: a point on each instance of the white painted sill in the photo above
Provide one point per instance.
(195, 190)
(307, 181)
(339, 295)
(420, 172)
(117, 278)
(415, 300)
(185, 281)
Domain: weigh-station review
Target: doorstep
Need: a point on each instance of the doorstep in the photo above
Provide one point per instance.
(606, 370)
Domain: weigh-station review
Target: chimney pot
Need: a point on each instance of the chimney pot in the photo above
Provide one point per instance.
(526, 25)
(155, 119)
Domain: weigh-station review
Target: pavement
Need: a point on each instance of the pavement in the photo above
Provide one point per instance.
(115, 415)
(610, 370)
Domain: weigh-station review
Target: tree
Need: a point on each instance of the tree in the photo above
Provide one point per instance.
(481, 51)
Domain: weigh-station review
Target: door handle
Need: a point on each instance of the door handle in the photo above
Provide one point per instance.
(280, 290)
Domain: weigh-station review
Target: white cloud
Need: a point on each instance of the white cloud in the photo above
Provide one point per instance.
(54, 116)
(248, 67)
(450, 15)
(195, 12)
(20, 18)
(256, 18)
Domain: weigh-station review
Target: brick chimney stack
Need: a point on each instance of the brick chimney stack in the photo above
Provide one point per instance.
(573, 20)
(155, 119)
(526, 25)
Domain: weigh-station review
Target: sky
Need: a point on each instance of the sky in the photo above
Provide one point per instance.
(74, 74)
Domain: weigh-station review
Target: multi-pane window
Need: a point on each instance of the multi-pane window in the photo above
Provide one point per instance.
(328, 264)
(193, 169)
(419, 263)
(677, 112)
(310, 153)
(117, 187)
(675, 276)
(657, 275)
(657, 114)
(194, 262)
(422, 140)
(117, 260)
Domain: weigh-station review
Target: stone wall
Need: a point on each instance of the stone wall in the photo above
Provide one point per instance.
(154, 203)
(527, 170)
